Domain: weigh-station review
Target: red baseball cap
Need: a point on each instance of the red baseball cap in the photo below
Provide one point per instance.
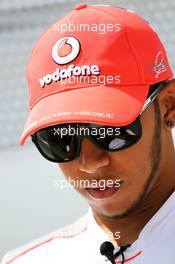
(94, 65)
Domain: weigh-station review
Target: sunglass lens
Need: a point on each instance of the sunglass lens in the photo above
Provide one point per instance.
(55, 147)
(113, 139)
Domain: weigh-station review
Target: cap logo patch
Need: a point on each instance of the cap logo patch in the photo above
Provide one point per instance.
(159, 65)
(65, 50)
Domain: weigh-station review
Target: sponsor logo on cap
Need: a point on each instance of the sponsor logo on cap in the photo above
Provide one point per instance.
(71, 70)
(65, 50)
(159, 65)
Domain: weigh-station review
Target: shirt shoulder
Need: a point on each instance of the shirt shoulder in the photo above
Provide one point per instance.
(38, 250)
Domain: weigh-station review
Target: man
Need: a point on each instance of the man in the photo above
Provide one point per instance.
(105, 75)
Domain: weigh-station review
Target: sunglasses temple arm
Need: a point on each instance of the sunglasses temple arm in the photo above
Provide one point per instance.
(148, 103)
(153, 96)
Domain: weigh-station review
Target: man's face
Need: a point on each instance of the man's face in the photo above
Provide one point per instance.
(135, 167)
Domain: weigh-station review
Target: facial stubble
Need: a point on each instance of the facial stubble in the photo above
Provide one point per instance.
(155, 157)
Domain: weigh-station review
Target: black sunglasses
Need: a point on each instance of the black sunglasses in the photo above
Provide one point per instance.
(62, 143)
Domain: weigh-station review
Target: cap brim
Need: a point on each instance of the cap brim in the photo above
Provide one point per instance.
(101, 105)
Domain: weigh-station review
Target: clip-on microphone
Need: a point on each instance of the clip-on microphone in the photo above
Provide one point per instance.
(107, 250)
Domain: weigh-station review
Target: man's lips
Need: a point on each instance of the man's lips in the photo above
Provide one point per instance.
(104, 191)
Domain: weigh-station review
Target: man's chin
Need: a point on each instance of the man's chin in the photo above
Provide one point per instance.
(111, 211)
(115, 215)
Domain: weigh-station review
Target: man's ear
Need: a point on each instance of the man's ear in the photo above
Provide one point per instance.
(167, 103)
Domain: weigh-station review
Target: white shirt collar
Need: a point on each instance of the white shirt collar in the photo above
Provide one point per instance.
(98, 235)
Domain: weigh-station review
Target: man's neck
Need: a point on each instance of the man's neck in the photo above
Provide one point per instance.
(131, 226)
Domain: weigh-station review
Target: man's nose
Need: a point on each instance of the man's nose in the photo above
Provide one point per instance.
(92, 157)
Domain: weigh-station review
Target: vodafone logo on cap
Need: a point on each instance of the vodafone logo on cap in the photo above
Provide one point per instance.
(65, 50)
